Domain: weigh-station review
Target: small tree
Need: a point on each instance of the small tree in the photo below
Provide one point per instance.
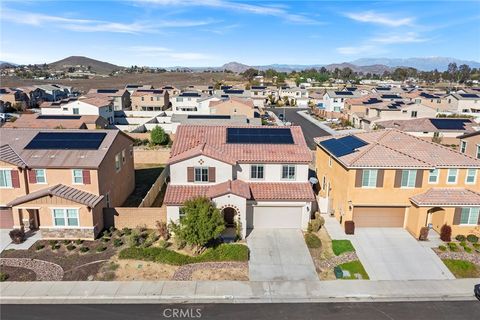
(446, 233)
(201, 223)
(158, 136)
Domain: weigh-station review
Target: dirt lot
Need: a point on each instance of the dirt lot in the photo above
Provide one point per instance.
(178, 79)
(18, 274)
(128, 270)
(233, 274)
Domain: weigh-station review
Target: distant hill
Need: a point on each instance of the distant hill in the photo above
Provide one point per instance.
(374, 68)
(5, 64)
(235, 67)
(423, 64)
(97, 66)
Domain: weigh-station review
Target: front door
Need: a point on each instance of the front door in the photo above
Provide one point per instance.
(229, 217)
(34, 220)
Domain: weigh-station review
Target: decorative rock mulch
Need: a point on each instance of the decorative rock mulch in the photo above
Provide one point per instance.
(45, 271)
(185, 272)
(335, 261)
(472, 257)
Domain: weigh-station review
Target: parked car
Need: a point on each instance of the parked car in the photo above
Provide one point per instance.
(5, 117)
(476, 290)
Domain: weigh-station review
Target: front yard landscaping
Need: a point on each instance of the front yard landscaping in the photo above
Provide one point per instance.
(462, 256)
(462, 268)
(354, 267)
(342, 246)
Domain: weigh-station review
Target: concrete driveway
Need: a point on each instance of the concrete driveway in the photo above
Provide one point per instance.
(4, 239)
(393, 254)
(279, 254)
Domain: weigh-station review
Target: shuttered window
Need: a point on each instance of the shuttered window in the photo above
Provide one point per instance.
(369, 178)
(77, 176)
(408, 178)
(201, 174)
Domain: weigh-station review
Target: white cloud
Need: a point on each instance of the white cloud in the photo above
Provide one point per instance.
(409, 37)
(380, 18)
(86, 25)
(271, 10)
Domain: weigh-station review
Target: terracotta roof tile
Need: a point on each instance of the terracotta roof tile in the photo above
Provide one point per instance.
(447, 197)
(178, 194)
(7, 154)
(237, 187)
(282, 191)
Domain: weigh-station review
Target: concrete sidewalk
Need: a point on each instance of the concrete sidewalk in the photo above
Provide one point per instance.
(235, 291)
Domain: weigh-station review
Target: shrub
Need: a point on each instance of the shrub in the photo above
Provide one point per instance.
(101, 248)
(84, 249)
(117, 242)
(452, 246)
(105, 239)
(39, 246)
(472, 238)
(78, 242)
(423, 234)
(151, 238)
(127, 231)
(55, 246)
(52, 242)
(463, 244)
(442, 248)
(317, 223)
(163, 244)
(17, 235)
(312, 241)
(3, 276)
(460, 237)
(70, 247)
(162, 229)
(476, 245)
(133, 240)
(446, 233)
(467, 249)
(66, 241)
(158, 136)
(201, 224)
(179, 243)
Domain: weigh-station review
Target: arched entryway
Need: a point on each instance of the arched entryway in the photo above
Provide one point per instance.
(229, 216)
(436, 216)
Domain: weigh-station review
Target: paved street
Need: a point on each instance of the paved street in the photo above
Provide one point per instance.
(279, 255)
(310, 130)
(450, 310)
(393, 254)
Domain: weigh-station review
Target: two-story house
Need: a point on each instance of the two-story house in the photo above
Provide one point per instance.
(59, 181)
(296, 96)
(470, 144)
(388, 178)
(465, 103)
(150, 100)
(334, 101)
(187, 102)
(256, 176)
(121, 98)
(233, 106)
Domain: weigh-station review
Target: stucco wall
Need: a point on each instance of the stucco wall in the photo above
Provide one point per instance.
(159, 156)
(272, 173)
(134, 217)
(178, 171)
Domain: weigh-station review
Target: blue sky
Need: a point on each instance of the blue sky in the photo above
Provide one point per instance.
(213, 32)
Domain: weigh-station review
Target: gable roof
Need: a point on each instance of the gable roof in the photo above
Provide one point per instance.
(62, 191)
(391, 148)
(428, 124)
(233, 101)
(447, 196)
(7, 154)
(39, 121)
(193, 140)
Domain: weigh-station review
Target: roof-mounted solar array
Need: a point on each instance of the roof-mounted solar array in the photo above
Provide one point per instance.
(208, 116)
(469, 95)
(233, 91)
(259, 136)
(391, 96)
(343, 146)
(58, 117)
(450, 124)
(107, 91)
(189, 94)
(343, 93)
(66, 141)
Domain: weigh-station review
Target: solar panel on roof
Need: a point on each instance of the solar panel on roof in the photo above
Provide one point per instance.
(190, 94)
(259, 136)
(107, 91)
(233, 91)
(66, 141)
(391, 96)
(469, 95)
(382, 88)
(59, 117)
(343, 146)
(343, 93)
(450, 124)
(207, 116)
(225, 87)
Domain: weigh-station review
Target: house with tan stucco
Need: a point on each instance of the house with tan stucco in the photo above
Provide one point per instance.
(233, 106)
(388, 178)
(57, 182)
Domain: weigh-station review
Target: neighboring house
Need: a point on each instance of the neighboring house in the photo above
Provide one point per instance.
(83, 106)
(208, 120)
(256, 176)
(35, 96)
(470, 144)
(59, 181)
(388, 178)
(121, 98)
(263, 95)
(204, 90)
(54, 92)
(296, 96)
(233, 106)
(150, 100)
(435, 101)
(172, 91)
(465, 103)
(334, 101)
(131, 88)
(187, 101)
(441, 130)
(39, 121)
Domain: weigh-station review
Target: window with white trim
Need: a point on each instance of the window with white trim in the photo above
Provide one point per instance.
(6, 178)
(288, 172)
(452, 176)
(463, 146)
(369, 178)
(118, 162)
(77, 176)
(408, 178)
(257, 171)
(40, 175)
(201, 174)
(471, 176)
(124, 157)
(470, 215)
(65, 217)
(433, 176)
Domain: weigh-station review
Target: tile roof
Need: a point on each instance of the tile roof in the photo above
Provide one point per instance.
(62, 191)
(233, 100)
(391, 148)
(19, 138)
(424, 125)
(7, 154)
(261, 191)
(75, 122)
(447, 197)
(191, 140)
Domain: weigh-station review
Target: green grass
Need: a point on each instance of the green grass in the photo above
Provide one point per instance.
(354, 267)
(462, 268)
(341, 246)
(224, 252)
(312, 241)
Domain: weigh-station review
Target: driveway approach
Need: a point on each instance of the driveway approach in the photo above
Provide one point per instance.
(393, 254)
(279, 254)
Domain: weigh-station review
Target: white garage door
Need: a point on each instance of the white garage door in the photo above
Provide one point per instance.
(277, 217)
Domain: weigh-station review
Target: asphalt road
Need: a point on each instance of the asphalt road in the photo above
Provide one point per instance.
(448, 310)
(309, 129)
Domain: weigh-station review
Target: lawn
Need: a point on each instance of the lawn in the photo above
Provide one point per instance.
(223, 252)
(354, 267)
(462, 268)
(341, 246)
